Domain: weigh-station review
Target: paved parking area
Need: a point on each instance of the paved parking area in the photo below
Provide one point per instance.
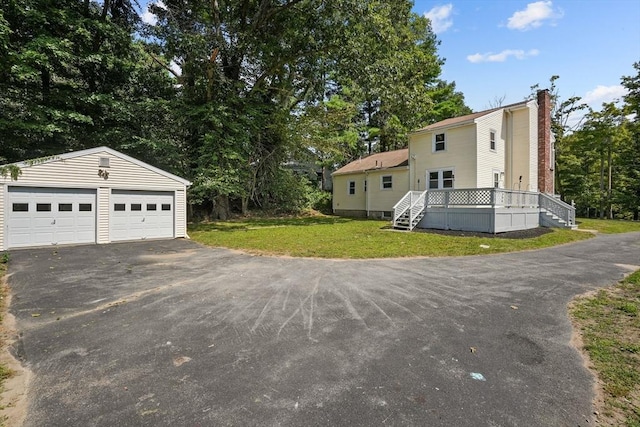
(173, 333)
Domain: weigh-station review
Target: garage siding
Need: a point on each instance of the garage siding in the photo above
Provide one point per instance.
(181, 212)
(103, 214)
(83, 171)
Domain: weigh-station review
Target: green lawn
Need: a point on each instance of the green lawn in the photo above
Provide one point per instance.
(334, 237)
(608, 226)
(610, 325)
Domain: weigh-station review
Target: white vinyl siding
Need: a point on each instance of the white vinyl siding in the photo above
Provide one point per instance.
(81, 171)
(488, 159)
(103, 214)
(180, 214)
(461, 154)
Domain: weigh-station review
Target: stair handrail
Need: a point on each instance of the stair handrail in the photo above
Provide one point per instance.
(559, 208)
(417, 207)
(404, 204)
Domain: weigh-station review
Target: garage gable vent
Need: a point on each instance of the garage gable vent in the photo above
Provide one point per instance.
(104, 162)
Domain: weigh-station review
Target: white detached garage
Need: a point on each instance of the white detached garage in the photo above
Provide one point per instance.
(92, 196)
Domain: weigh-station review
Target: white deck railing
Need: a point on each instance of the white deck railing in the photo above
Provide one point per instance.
(481, 197)
(559, 208)
(415, 202)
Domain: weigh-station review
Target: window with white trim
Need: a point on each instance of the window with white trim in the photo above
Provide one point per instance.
(496, 179)
(386, 182)
(492, 140)
(439, 142)
(365, 185)
(440, 179)
(352, 188)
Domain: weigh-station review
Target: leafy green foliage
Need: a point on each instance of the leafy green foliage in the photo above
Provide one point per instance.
(227, 94)
(598, 160)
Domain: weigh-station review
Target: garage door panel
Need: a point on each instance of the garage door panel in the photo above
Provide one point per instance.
(45, 216)
(140, 215)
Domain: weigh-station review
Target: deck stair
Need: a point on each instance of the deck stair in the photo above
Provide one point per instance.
(409, 210)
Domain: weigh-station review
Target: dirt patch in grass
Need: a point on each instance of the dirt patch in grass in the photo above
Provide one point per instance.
(14, 378)
(607, 332)
(520, 234)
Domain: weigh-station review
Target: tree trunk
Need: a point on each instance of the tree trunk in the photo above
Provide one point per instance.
(245, 205)
(609, 190)
(601, 213)
(221, 208)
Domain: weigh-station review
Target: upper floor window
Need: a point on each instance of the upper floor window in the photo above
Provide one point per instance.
(439, 179)
(439, 142)
(387, 182)
(352, 188)
(492, 140)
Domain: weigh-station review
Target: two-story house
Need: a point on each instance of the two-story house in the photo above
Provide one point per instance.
(504, 151)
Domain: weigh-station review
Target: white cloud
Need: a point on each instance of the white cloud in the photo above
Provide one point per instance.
(148, 17)
(533, 16)
(440, 17)
(602, 94)
(502, 56)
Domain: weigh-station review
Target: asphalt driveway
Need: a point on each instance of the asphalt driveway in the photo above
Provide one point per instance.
(172, 333)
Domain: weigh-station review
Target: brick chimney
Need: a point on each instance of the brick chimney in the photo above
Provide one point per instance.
(545, 168)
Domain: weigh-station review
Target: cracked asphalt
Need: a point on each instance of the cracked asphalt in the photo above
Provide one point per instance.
(171, 333)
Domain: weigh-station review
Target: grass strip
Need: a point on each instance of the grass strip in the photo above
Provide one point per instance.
(609, 322)
(608, 226)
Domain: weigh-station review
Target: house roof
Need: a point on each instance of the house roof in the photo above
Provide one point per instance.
(386, 160)
(469, 118)
(108, 150)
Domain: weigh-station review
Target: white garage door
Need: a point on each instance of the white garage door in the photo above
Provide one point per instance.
(46, 216)
(141, 215)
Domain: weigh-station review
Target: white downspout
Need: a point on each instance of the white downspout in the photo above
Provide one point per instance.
(510, 136)
(366, 193)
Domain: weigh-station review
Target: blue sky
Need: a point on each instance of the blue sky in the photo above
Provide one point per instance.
(500, 48)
